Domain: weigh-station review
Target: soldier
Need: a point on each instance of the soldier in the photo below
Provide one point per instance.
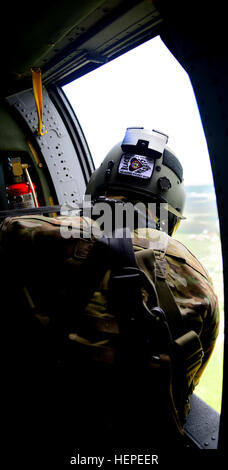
(144, 172)
(124, 329)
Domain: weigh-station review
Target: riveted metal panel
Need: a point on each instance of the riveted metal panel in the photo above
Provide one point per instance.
(56, 146)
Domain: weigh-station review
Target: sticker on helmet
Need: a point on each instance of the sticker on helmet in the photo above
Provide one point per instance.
(136, 165)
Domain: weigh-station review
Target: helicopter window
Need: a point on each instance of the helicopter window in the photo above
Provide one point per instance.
(148, 87)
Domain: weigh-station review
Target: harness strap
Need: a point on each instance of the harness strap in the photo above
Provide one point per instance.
(166, 299)
(113, 253)
(29, 211)
(168, 304)
(140, 333)
(121, 249)
(154, 264)
(117, 253)
(143, 325)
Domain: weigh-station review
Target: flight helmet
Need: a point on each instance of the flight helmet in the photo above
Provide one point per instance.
(141, 168)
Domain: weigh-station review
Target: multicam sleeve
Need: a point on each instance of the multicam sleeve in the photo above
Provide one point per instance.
(209, 333)
(193, 291)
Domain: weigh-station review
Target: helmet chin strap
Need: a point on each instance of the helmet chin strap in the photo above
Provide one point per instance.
(170, 208)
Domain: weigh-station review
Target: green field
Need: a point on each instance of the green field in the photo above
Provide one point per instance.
(200, 234)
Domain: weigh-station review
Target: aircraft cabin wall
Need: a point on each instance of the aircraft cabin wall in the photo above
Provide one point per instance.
(53, 162)
(16, 143)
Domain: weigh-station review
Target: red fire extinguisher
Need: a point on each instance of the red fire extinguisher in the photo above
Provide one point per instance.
(21, 196)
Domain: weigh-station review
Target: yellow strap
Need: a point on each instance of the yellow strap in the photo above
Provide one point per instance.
(37, 90)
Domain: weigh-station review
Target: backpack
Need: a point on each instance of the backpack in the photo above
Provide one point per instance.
(146, 376)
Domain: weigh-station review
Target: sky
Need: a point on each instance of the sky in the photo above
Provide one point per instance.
(146, 87)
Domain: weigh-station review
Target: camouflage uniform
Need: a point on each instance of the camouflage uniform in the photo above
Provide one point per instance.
(189, 283)
(41, 238)
(83, 397)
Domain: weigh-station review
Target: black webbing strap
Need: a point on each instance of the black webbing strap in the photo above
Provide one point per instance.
(143, 330)
(121, 249)
(117, 254)
(30, 211)
(92, 271)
